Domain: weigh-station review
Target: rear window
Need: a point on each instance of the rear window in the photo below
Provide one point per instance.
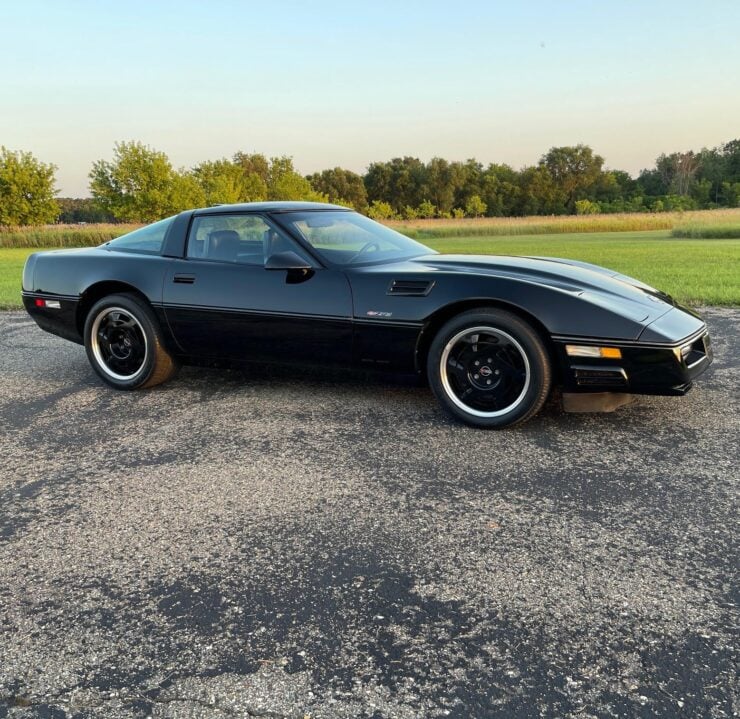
(146, 240)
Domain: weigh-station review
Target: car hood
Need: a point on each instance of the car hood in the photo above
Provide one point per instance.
(593, 283)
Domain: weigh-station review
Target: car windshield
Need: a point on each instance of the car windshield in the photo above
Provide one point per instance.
(344, 237)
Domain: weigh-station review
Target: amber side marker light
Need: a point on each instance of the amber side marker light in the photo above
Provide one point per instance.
(585, 351)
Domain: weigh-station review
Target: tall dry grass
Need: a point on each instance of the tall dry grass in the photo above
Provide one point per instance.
(697, 224)
(61, 235)
(539, 225)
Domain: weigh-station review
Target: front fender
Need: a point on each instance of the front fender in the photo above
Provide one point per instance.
(561, 310)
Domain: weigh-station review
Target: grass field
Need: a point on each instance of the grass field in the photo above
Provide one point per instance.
(11, 269)
(694, 271)
(713, 231)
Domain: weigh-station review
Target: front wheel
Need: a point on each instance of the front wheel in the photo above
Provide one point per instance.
(124, 343)
(489, 368)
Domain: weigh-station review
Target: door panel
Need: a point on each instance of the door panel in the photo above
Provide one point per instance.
(245, 312)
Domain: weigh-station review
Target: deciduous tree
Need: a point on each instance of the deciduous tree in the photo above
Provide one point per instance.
(574, 170)
(540, 195)
(27, 194)
(400, 182)
(140, 184)
(78, 210)
(380, 210)
(284, 183)
(342, 187)
(225, 182)
(426, 210)
(475, 207)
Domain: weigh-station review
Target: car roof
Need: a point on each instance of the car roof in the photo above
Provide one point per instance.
(282, 206)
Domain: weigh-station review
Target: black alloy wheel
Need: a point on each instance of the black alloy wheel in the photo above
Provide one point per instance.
(489, 368)
(125, 344)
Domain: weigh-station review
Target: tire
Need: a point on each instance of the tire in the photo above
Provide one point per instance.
(489, 368)
(125, 345)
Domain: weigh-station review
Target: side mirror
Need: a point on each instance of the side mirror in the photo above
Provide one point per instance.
(286, 261)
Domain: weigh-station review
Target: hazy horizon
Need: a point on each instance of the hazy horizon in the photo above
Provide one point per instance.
(332, 86)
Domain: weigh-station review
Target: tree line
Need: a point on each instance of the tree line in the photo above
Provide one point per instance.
(140, 184)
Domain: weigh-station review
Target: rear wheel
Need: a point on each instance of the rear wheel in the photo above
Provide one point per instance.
(125, 345)
(489, 368)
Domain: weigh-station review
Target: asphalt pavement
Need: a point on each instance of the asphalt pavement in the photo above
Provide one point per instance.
(296, 544)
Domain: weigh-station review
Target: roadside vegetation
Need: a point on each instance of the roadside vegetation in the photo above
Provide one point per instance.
(62, 235)
(699, 230)
(710, 221)
(140, 184)
(711, 224)
(675, 226)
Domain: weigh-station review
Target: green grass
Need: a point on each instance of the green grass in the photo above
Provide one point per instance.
(701, 231)
(694, 271)
(11, 270)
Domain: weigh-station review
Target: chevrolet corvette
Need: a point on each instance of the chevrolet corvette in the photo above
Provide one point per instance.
(318, 284)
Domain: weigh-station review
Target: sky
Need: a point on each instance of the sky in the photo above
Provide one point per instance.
(345, 84)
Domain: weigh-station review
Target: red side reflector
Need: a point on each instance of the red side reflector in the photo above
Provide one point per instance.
(40, 303)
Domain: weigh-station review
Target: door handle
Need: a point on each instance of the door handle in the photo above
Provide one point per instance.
(184, 279)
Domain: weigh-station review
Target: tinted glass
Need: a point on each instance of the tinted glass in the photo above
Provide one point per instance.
(349, 238)
(244, 239)
(147, 240)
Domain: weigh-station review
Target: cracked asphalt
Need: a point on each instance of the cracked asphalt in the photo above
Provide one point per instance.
(278, 544)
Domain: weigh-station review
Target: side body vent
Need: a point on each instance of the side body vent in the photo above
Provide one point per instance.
(410, 288)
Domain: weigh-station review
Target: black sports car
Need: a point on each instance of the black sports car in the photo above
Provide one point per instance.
(307, 283)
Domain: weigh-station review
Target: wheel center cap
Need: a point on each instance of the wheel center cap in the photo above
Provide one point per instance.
(485, 371)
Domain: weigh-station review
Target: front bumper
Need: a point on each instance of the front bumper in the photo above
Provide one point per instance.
(644, 368)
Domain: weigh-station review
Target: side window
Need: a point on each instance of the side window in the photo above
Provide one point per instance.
(228, 238)
(146, 240)
(244, 239)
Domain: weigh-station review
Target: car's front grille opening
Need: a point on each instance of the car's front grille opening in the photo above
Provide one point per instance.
(600, 376)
